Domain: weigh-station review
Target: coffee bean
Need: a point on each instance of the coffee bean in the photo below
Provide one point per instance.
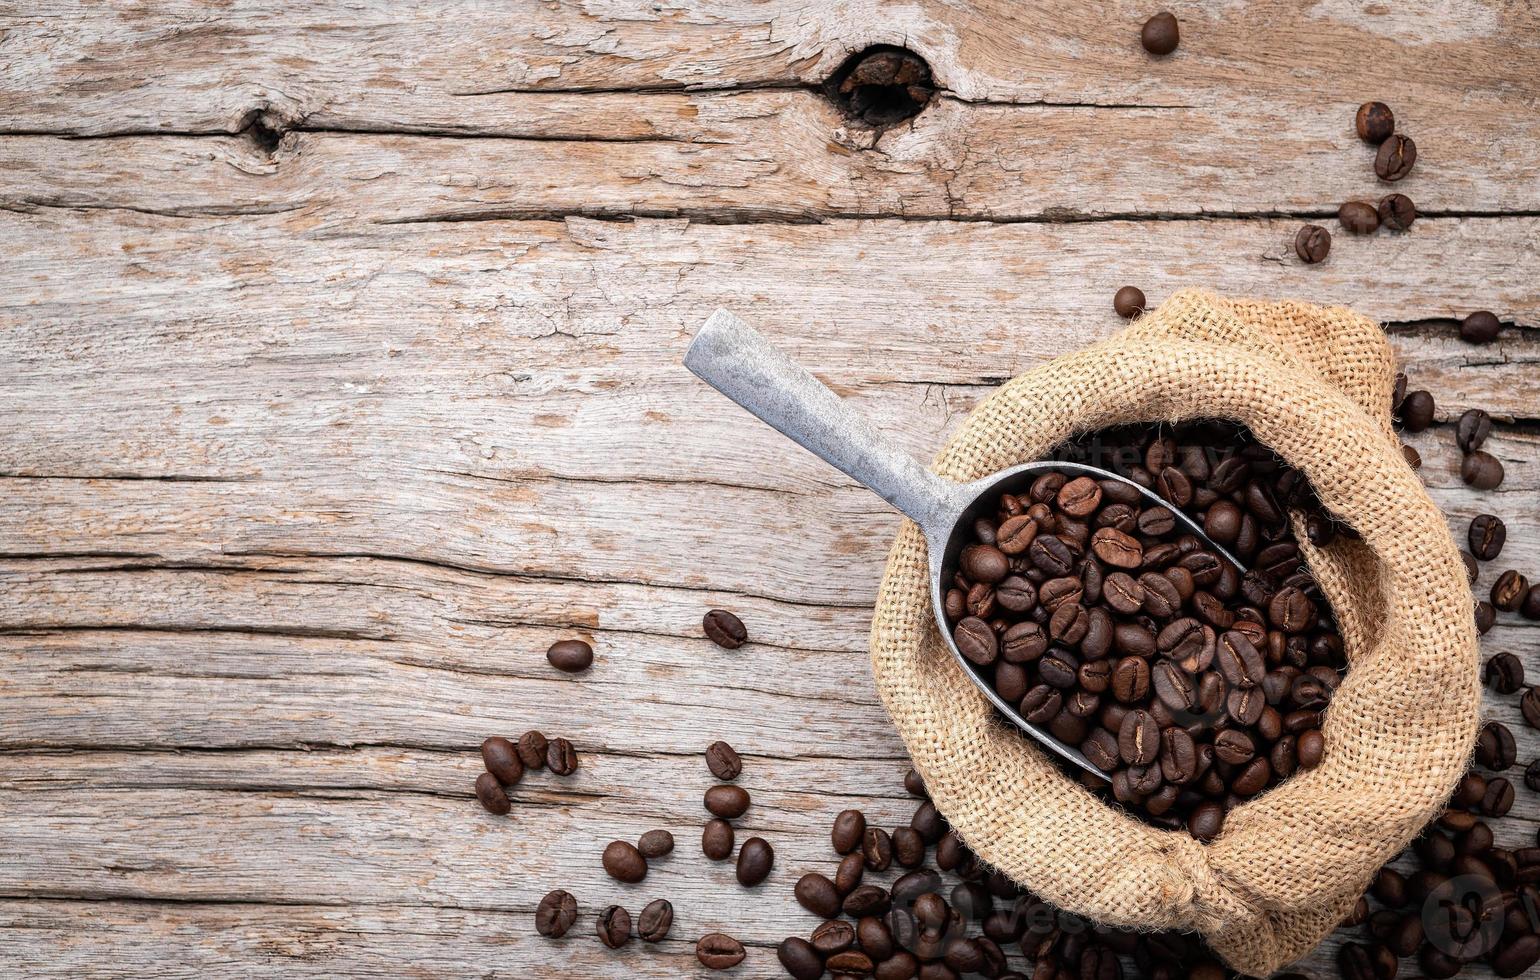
(727, 802)
(502, 760)
(655, 921)
(1016, 534)
(755, 860)
(1310, 748)
(491, 795)
(1128, 302)
(1481, 470)
(655, 843)
(1480, 327)
(1233, 746)
(852, 962)
(875, 938)
(716, 951)
(571, 656)
(1206, 821)
(1530, 607)
(723, 761)
(555, 914)
(1016, 594)
(716, 840)
(1417, 410)
(1139, 739)
(560, 757)
(1396, 212)
(1486, 536)
(1101, 750)
(724, 629)
(1486, 616)
(800, 960)
(848, 875)
(1517, 957)
(1160, 34)
(1374, 122)
(1023, 643)
(877, 849)
(908, 848)
(985, 563)
(1239, 660)
(1498, 799)
(866, 900)
(817, 894)
(1117, 549)
(928, 822)
(624, 862)
(1509, 590)
(532, 748)
(1358, 218)
(614, 926)
(976, 640)
(1412, 456)
(1532, 774)
(1131, 680)
(1395, 158)
(1080, 497)
(849, 828)
(1312, 244)
(833, 937)
(1504, 673)
(1495, 749)
(1049, 553)
(1291, 610)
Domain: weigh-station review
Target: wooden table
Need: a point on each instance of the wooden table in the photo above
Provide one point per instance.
(340, 349)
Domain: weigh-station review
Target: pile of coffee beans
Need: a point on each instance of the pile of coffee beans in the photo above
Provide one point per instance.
(1107, 622)
(507, 762)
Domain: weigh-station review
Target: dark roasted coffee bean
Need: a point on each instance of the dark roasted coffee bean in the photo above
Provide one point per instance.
(877, 849)
(555, 914)
(1495, 749)
(1358, 218)
(1101, 750)
(623, 862)
(1245, 705)
(1504, 673)
(1291, 610)
(1160, 34)
(908, 848)
(1374, 122)
(1486, 536)
(1417, 410)
(1239, 660)
(1472, 429)
(532, 748)
(1049, 553)
(490, 794)
(914, 784)
(851, 869)
(655, 843)
(656, 920)
(852, 962)
(1131, 679)
(728, 802)
(1016, 594)
(1530, 607)
(849, 828)
(1395, 158)
(1481, 470)
(1532, 775)
(1481, 327)
(716, 840)
(723, 761)
(614, 927)
(1498, 799)
(560, 757)
(1116, 548)
(1311, 748)
(724, 629)
(1312, 243)
(800, 960)
(866, 900)
(976, 640)
(901, 966)
(874, 938)
(1069, 624)
(833, 937)
(716, 951)
(755, 859)
(1139, 739)
(1397, 212)
(1206, 820)
(1016, 534)
(1023, 643)
(502, 760)
(1517, 957)
(1486, 616)
(1123, 593)
(1080, 497)
(985, 563)
(572, 656)
(1509, 590)
(1128, 302)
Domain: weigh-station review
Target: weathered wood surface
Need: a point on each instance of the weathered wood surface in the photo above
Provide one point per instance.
(330, 404)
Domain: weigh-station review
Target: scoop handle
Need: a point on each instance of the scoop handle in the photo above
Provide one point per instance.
(742, 364)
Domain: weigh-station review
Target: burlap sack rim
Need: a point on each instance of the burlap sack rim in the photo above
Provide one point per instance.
(1196, 886)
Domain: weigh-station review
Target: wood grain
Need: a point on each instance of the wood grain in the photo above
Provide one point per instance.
(341, 367)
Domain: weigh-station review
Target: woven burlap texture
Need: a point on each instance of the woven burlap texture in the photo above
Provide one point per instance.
(1314, 383)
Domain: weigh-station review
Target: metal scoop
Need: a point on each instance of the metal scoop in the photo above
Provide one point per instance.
(742, 364)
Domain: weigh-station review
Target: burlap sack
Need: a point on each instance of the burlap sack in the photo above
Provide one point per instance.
(1314, 384)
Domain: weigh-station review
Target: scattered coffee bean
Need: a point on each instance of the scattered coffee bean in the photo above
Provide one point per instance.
(1529, 706)
(1128, 302)
(1396, 212)
(718, 952)
(724, 629)
(1504, 673)
(877, 849)
(555, 914)
(655, 843)
(1530, 607)
(571, 656)
(1509, 590)
(614, 926)
(1312, 243)
(502, 760)
(1358, 218)
(1160, 34)
(800, 960)
(817, 894)
(1480, 327)
(656, 920)
(1486, 616)
(1412, 456)
(849, 828)
(1481, 470)
(728, 802)
(1375, 122)
(1472, 430)
(560, 757)
(1395, 158)
(716, 840)
(914, 784)
(755, 859)
(532, 748)
(623, 862)
(723, 761)
(1417, 410)
(851, 869)
(491, 794)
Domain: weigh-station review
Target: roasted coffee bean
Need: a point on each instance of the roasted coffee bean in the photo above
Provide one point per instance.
(1517, 957)
(1245, 705)
(928, 822)
(755, 859)
(851, 869)
(531, 749)
(903, 966)
(1504, 673)
(1023, 643)
(1486, 536)
(1049, 553)
(1481, 470)
(1174, 687)
(1123, 593)
(849, 828)
(724, 629)
(1130, 680)
(1358, 218)
(555, 914)
(1472, 429)
(1234, 747)
(1397, 212)
(1312, 243)
(908, 848)
(852, 962)
(1311, 748)
(1374, 122)
(914, 784)
(716, 951)
(1509, 590)
(490, 794)
(571, 656)
(624, 862)
(877, 849)
(656, 920)
(1495, 748)
(1529, 705)
(723, 761)
(1069, 624)
(1116, 548)
(655, 843)
(1080, 497)
(560, 757)
(1530, 607)
(1128, 302)
(1291, 610)
(716, 840)
(985, 563)
(833, 937)
(1412, 456)
(1160, 34)
(1481, 327)
(1101, 750)
(614, 926)
(1016, 534)
(728, 802)
(1498, 799)
(976, 640)
(1139, 739)
(875, 938)
(1395, 158)
(866, 900)
(1486, 616)
(1016, 594)
(1239, 661)
(800, 960)
(1532, 775)
(502, 760)
(1417, 410)
(1206, 821)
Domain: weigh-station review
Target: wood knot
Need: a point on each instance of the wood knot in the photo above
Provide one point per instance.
(881, 85)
